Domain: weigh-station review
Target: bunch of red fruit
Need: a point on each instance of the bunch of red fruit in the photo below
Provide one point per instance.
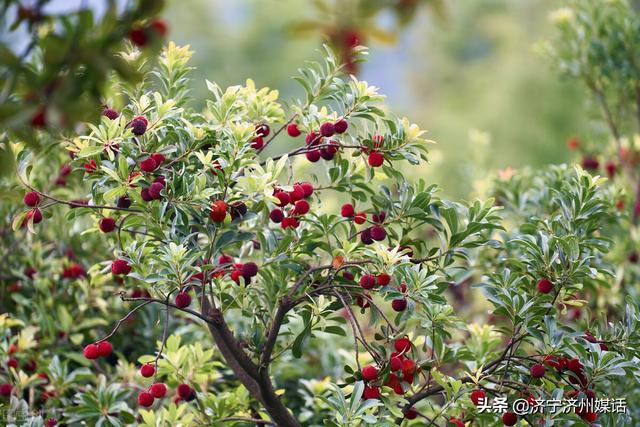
(297, 198)
(327, 148)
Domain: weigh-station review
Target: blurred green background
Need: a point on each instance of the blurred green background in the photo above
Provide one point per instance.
(467, 71)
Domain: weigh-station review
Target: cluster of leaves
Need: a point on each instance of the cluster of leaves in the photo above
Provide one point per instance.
(61, 77)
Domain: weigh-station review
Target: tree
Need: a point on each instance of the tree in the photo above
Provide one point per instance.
(179, 260)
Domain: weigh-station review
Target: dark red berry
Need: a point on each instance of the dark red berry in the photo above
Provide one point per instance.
(368, 281)
(110, 113)
(158, 158)
(257, 143)
(148, 165)
(360, 218)
(160, 27)
(341, 126)
(146, 196)
(365, 236)
(544, 286)
(107, 225)
(399, 304)
(139, 125)
(123, 202)
(276, 216)
(537, 370)
(155, 189)
(283, 197)
(590, 163)
(32, 199)
(5, 389)
(248, 270)
(313, 155)
(184, 391)
(183, 300)
(297, 193)
(378, 233)
(138, 37)
(411, 413)
(39, 119)
(327, 129)
(509, 419)
(263, 130)
(383, 279)
(307, 187)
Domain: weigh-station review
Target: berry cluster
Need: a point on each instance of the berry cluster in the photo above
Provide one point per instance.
(95, 351)
(297, 198)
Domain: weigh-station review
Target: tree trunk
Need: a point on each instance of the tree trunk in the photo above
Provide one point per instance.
(256, 380)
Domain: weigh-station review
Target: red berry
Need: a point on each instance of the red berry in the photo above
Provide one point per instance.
(411, 413)
(477, 395)
(148, 165)
(610, 166)
(283, 197)
(158, 158)
(32, 199)
(138, 37)
(590, 163)
(369, 373)
(312, 138)
(276, 215)
(402, 345)
(383, 279)
(91, 351)
(575, 366)
(362, 301)
(158, 390)
(262, 130)
(110, 113)
(36, 215)
(371, 392)
(297, 193)
(301, 207)
(395, 363)
(12, 363)
(456, 422)
(184, 391)
(544, 286)
(340, 126)
(120, 267)
(105, 348)
(360, 218)
(327, 129)
(378, 233)
(293, 131)
(155, 189)
(368, 281)
(408, 367)
(39, 119)
(139, 125)
(509, 419)
(146, 196)
(5, 389)
(589, 417)
(147, 370)
(218, 211)
(160, 27)
(257, 143)
(51, 422)
(249, 270)
(107, 225)
(307, 187)
(313, 155)
(145, 399)
(183, 300)
(124, 202)
(347, 210)
(376, 159)
(90, 166)
(399, 304)
(537, 370)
